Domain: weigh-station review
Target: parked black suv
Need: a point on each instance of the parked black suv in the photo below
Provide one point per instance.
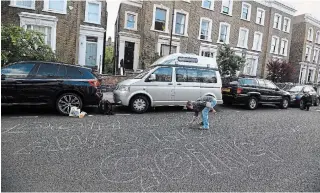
(252, 91)
(48, 83)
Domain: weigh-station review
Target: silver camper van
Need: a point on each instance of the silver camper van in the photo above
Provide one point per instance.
(171, 81)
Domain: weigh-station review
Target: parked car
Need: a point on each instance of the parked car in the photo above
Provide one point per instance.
(252, 92)
(48, 83)
(297, 92)
(171, 81)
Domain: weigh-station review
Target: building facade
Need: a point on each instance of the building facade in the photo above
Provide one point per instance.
(75, 30)
(258, 30)
(305, 49)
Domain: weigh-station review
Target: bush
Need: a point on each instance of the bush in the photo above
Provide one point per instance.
(18, 44)
(108, 60)
(280, 71)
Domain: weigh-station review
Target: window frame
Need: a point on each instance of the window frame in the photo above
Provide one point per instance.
(135, 27)
(249, 11)
(245, 39)
(86, 11)
(318, 37)
(315, 57)
(13, 3)
(288, 24)
(16, 76)
(227, 35)
(260, 41)
(262, 17)
(285, 48)
(280, 21)
(310, 34)
(172, 73)
(185, 31)
(276, 51)
(163, 44)
(309, 53)
(230, 7)
(210, 8)
(47, 9)
(155, 6)
(209, 29)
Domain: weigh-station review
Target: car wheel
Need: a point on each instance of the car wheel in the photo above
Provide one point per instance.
(301, 105)
(284, 103)
(139, 104)
(252, 103)
(66, 101)
(317, 102)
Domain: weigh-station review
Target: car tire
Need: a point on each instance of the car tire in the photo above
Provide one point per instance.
(252, 103)
(301, 105)
(284, 103)
(139, 104)
(66, 100)
(317, 102)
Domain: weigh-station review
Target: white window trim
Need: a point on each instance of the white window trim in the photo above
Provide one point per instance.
(260, 41)
(249, 11)
(209, 30)
(280, 21)
(228, 33)
(185, 25)
(255, 67)
(155, 6)
(277, 45)
(310, 39)
(13, 3)
(188, 1)
(46, 7)
(212, 5)
(309, 53)
(230, 8)
(40, 20)
(135, 28)
(318, 36)
(315, 56)
(246, 38)
(289, 24)
(208, 48)
(263, 16)
(166, 41)
(286, 48)
(86, 13)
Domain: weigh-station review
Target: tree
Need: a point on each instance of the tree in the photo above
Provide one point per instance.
(280, 71)
(108, 60)
(229, 63)
(18, 44)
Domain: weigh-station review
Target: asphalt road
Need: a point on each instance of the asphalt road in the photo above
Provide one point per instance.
(263, 150)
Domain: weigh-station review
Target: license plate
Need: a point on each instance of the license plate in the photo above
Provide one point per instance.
(226, 89)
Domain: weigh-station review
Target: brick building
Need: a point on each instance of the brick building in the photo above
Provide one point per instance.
(75, 30)
(258, 30)
(305, 49)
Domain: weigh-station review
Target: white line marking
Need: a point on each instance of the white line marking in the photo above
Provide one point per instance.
(11, 128)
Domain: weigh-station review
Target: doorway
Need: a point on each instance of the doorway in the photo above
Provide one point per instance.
(91, 51)
(129, 55)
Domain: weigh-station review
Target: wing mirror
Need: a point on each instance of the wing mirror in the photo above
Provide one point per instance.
(3, 77)
(152, 77)
(277, 89)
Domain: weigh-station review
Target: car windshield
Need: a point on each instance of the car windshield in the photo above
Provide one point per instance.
(296, 89)
(142, 74)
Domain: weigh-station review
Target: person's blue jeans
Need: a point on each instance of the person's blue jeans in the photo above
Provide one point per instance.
(205, 115)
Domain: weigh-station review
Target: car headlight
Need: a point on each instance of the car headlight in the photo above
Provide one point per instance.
(123, 88)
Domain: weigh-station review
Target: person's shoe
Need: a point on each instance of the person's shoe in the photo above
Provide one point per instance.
(202, 128)
(201, 123)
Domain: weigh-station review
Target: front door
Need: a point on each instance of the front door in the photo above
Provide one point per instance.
(91, 51)
(128, 55)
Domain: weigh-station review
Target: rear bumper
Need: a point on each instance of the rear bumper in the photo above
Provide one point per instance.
(235, 99)
(93, 99)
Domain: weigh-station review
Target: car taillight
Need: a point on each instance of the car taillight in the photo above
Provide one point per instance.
(94, 83)
(239, 90)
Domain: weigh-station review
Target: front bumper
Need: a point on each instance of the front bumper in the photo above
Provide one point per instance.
(121, 97)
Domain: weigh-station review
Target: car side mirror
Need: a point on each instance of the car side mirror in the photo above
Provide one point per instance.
(3, 76)
(152, 77)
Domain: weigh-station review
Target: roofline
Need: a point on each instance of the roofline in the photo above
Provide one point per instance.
(307, 17)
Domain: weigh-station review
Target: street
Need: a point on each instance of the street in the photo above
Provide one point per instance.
(263, 150)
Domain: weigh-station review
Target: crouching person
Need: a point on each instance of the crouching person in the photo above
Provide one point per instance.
(204, 105)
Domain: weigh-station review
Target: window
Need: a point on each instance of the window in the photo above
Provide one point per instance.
(207, 54)
(284, 47)
(270, 85)
(180, 23)
(308, 53)
(208, 4)
(207, 76)
(224, 32)
(310, 34)
(246, 11)
(55, 6)
(47, 70)
(62, 72)
(187, 75)
(160, 21)
(131, 20)
(286, 24)
(257, 41)
(208, 50)
(260, 16)
(28, 4)
(310, 76)
(163, 74)
(165, 49)
(274, 45)
(315, 56)
(93, 12)
(17, 70)
(243, 38)
(277, 21)
(227, 7)
(46, 31)
(73, 72)
(205, 29)
(318, 37)
(250, 66)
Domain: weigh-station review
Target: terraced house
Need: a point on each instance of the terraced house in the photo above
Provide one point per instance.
(305, 51)
(259, 30)
(75, 30)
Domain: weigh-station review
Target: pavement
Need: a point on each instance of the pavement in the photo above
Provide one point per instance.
(263, 150)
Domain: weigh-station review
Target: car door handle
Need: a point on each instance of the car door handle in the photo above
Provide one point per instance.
(169, 83)
(179, 84)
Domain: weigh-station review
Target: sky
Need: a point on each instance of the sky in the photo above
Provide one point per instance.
(302, 6)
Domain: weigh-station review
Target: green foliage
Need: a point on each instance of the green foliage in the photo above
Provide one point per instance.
(18, 44)
(280, 71)
(108, 60)
(145, 57)
(229, 63)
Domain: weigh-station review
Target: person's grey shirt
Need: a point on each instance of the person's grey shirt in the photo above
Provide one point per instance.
(200, 104)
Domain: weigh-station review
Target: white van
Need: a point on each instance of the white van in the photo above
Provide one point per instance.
(171, 81)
